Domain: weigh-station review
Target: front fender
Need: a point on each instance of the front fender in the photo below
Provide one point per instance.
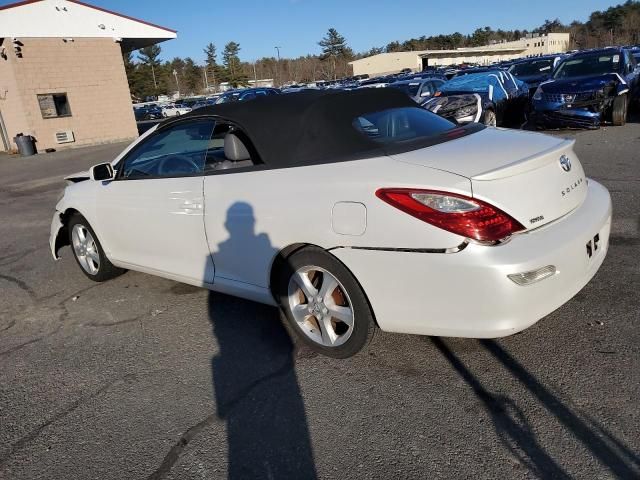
(57, 235)
(622, 88)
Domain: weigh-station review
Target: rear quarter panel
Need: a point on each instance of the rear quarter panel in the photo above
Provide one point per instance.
(289, 206)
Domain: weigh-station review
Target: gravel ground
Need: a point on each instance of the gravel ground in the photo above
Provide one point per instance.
(142, 377)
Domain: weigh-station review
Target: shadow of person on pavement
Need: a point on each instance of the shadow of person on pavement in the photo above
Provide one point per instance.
(611, 452)
(510, 423)
(253, 375)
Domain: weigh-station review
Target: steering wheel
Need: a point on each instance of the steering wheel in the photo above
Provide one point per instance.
(173, 164)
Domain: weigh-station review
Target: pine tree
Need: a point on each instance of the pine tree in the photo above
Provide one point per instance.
(193, 77)
(213, 70)
(149, 56)
(334, 47)
(231, 60)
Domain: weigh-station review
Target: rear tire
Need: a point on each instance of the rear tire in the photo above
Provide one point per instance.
(322, 303)
(88, 252)
(619, 110)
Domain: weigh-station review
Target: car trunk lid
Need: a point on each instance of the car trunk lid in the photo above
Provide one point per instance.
(534, 178)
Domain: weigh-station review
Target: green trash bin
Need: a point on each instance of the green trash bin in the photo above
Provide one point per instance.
(26, 145)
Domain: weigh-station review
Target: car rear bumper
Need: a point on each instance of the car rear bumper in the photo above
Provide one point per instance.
(468, 294)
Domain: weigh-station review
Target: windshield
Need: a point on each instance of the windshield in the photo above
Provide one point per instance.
(531, 68)
(401, 124)
(474, 82)
(597, 64)
(230, 97)
(410, 89)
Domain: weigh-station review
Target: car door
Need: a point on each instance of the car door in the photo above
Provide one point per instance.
(151, 215)
(241, 250)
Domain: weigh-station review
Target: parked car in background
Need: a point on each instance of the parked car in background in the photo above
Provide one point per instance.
(418, 89)
(534, 71)
(204, 103)
(147, 112)
(377, 82)
(493, 97)
(174, 110)
(587, 89)
(245, 95)
(297, 89)
(139, 113)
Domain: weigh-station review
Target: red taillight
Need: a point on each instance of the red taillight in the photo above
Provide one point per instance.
(455, 213)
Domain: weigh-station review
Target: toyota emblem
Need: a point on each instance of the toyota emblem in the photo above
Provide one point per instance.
(565, 163)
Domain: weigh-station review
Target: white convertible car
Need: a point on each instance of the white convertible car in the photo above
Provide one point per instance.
(350, 211)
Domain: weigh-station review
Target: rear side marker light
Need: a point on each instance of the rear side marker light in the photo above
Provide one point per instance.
(527, 278)
(465, 216)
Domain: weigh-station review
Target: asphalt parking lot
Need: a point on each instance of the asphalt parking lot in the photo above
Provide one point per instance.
(142, 377)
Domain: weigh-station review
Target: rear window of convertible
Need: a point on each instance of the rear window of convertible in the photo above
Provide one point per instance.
(401, 124)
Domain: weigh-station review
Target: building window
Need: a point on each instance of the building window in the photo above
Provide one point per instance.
(54, 105)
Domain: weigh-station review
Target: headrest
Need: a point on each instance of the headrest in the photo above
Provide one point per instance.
(234, 149)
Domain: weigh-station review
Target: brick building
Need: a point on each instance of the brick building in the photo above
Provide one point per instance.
(62, 76)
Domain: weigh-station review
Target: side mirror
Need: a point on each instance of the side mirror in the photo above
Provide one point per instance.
(102, 172)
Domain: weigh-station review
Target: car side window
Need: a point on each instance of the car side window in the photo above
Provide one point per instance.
(427, 88)
(229, 149)
(179, 150)
(630, 66)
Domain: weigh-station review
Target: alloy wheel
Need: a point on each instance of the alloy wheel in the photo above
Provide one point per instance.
(85, 249)
(320, 306)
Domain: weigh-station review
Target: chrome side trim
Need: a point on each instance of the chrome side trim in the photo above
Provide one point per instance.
(457, 249)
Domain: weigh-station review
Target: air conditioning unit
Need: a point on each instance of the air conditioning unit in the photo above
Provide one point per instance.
(65, 136)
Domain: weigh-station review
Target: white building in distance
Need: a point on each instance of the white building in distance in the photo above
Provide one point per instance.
(418, 60)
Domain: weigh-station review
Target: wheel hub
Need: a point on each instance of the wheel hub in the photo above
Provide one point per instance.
(85, 249)
(320, 306)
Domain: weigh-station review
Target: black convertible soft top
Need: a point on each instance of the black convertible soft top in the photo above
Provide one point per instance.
(307, 127)
(310, 127)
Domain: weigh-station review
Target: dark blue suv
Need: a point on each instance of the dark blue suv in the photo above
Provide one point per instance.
(533, 71)
(587, 89)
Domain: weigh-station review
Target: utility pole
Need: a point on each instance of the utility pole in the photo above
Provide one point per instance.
(175, 74)
(206, 80)
(153, 73)
(255, 76)
(278, 67)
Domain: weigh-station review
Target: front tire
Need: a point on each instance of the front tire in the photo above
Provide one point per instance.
(88, 252)
(323, 304)
(619, 110)
(489, 118)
